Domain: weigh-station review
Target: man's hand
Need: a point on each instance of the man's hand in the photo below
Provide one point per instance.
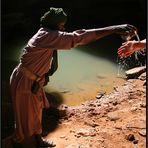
(125, 30)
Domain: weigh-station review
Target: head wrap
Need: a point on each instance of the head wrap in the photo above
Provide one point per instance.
(52, 17)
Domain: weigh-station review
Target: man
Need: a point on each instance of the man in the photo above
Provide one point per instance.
(28, 78)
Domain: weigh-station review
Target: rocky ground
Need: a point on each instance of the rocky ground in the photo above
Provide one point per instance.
(115, 120)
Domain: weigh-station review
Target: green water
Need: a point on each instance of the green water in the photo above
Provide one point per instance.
(78, 67)
(80, 75)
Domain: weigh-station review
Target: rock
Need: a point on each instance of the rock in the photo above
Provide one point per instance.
(63, 136)
(113, 116)
(135, 141)
(144, 83)
(100, 95)
(137, 123)
(86, 132)
(134, 108)
(130, 137)
(135, 72)
(115, 103)
(92, 124)
(142, 104)
(143, 132)
(142, 76)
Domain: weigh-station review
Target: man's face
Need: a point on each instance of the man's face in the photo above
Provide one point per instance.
(61, 26)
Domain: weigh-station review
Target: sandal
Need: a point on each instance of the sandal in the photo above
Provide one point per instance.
(43, 143)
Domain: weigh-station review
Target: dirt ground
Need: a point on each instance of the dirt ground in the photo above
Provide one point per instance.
(114, 120)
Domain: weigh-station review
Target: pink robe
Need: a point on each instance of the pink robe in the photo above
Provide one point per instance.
(37, 57)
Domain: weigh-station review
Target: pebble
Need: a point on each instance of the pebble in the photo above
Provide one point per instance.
(143, 132)
(113, 116)
(92, 124)
(133, 109)
(115, 103)
(130, 137)
(63, 136)
(135, 141)
(86, 132)
(100, 95)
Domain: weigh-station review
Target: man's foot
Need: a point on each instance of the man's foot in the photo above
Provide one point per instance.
(43, 143)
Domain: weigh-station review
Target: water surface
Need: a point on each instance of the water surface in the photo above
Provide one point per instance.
(82, 72)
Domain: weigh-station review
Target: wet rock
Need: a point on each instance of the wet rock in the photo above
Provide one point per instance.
(135, 72)
(100, 95)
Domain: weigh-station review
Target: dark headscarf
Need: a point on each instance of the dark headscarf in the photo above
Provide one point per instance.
(52, 17)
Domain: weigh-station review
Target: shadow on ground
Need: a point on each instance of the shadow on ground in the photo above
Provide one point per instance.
(51, 116)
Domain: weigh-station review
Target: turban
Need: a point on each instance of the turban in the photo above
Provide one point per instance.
(52, 17)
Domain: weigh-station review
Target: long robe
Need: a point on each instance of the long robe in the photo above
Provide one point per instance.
(37, 56)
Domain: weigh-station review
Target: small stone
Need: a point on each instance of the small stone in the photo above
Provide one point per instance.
(63, 136)
(144, 83)
(86, 132)
(135, 141)
(133, 109)
(131, 101)
(78, 136)
(113, 116)
(142, 76)
(130, 137)
(115, 103)
(92, 124)
(72, 131)
(100, 95)
(143, 104)
(143, 132)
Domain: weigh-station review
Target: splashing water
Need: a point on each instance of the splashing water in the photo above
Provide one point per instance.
(130, 61)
